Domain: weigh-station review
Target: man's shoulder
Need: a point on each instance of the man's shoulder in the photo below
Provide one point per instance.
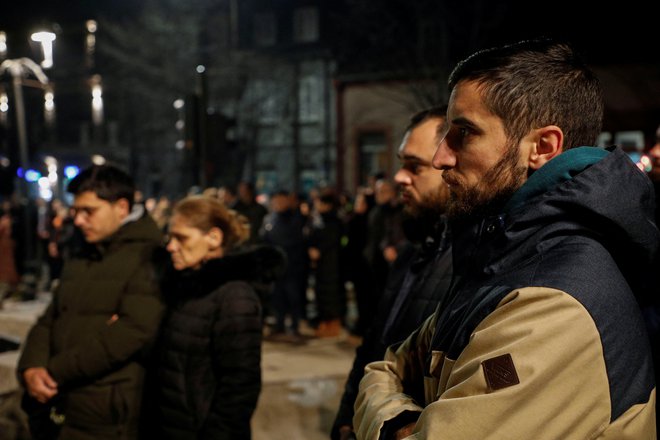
(143, 231)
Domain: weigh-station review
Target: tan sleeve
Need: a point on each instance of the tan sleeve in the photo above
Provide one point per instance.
(381, 395)
(563, 390)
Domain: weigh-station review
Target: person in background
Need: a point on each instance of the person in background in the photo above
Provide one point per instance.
(60, 240)
(248, 206)
(354, 263)
(208, 356)
(385, 237)
(283, 228)
(81, 362)
(8, 273)
(542, 335)
(420, 277)
(227, 195)
(161, 212)
(324, 243)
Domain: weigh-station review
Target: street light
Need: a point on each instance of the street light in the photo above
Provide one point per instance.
(97, 100)
(46, 39)
(3, 45)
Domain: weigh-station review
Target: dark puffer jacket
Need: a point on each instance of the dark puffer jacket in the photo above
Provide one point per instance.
(94, 358)
(208, 373)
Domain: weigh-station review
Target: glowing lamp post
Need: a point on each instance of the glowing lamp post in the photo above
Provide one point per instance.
(46, 39)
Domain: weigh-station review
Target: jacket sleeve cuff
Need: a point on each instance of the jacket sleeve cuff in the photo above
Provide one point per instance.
(390, 427)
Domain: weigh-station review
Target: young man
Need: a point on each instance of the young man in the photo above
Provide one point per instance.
(418, 280)
(80, 364)
(543, 337)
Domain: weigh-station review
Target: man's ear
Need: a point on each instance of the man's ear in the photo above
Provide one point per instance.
(123, 207)
(549, 142)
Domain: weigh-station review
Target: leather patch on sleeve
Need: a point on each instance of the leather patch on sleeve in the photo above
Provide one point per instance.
(500, 372)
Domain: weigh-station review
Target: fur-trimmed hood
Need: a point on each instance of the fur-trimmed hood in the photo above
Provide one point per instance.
(257, 265)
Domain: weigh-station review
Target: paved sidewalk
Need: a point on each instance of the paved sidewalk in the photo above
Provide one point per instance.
(302, 384)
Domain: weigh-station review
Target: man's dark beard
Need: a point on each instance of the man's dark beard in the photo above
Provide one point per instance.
(420, 218)
(489, 195)
(432, 205)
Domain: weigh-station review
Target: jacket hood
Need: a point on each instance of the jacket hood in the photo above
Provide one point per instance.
(142, 228)
(257, 265)
(584, 191)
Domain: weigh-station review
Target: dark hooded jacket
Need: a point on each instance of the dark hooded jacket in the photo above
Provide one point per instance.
(417, 282)
(95, 359)
(541, 336)
(207, 374)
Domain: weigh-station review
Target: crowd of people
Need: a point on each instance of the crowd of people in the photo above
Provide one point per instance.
(505, 280)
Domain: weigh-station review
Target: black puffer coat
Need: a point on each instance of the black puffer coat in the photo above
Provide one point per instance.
(208, 373)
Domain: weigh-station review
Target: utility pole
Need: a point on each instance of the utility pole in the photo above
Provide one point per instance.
(202, 135)
(19, 69)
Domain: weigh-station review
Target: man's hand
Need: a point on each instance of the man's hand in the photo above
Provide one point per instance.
(40, 384)
(390, 254)
(405, 431)
(346, 433)
(314, 253)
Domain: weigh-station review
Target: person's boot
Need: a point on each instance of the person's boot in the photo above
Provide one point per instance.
(334, 328)
(322, 329)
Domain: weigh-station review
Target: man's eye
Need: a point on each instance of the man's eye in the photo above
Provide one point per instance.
(412, 168)
(459, 136)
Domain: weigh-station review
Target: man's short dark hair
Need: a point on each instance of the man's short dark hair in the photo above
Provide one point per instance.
(439, 111)
(107, 181)
(536, 83)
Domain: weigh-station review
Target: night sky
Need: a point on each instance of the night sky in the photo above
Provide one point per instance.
(628, 31)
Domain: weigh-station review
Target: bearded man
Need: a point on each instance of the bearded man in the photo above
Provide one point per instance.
(542, 336)
(419, 279)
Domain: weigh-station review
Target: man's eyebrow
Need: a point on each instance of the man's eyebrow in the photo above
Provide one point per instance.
(412, 158)
(464, 122)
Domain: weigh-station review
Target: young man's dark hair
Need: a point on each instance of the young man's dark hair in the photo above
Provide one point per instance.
(519, 81)
(107, 181)
(439, 111)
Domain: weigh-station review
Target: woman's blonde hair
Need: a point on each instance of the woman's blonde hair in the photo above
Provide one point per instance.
(204, 213)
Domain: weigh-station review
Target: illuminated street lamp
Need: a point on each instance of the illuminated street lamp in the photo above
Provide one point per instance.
(97, 100)
(46, 39)
(3, 45)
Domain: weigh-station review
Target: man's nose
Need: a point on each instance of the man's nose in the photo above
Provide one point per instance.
(402, 177)
(78, 219)
(444, 157)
